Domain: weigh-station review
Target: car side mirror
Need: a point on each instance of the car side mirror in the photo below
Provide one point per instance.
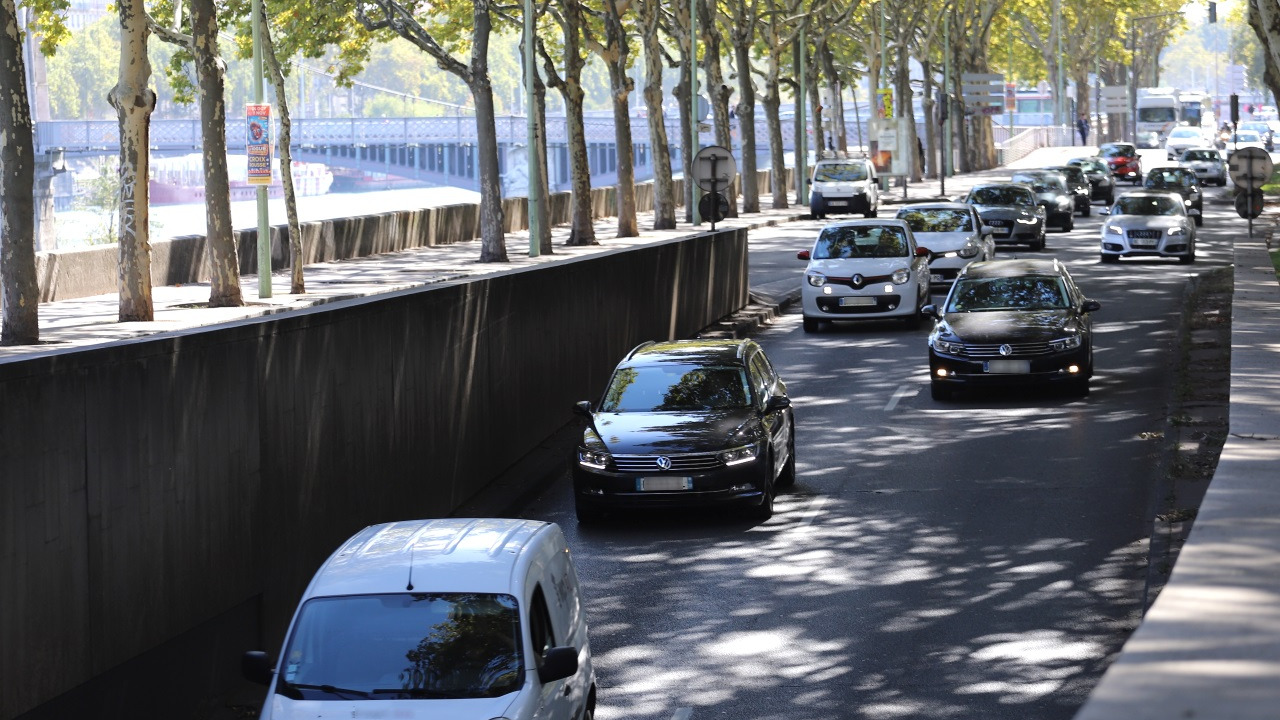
(777, 402)
(802, 255)
(583, 408)
(256, 667)
(558, 664)
(930, 311)
(988, 230)
(1090, 306)
(922, 251)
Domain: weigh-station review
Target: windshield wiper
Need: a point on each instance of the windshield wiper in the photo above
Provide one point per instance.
(332, 690)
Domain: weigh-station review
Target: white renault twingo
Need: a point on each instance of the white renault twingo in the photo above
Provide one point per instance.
(444, 619)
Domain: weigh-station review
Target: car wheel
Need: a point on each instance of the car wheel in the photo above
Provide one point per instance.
(1222, 182)
(1038, 245)
(811, 324)
(587, 515)
(1111, 195)
(1069, 225)
(939, 392)
(1108, 259)
(1188, 258)
(1088, 210)
(764, 510)
(788, 476)
(871, 213)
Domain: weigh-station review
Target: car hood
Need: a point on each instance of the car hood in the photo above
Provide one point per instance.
(1007, 212)
(940, 242)
(1113, 162)
(1009, 326)
(280, 707)
(867, 267)
(650, 433)
(1050, 197)
(1144, 222)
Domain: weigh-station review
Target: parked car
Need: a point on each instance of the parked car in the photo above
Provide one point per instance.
(1078, 184)
(1207, 164)
(844, 186)
(1264, 132)
(1182, 181)
(864, 270)
(1103, 185)
(1146, 223)
(689, 423)
(1124, 160)
(1051, 192)
(444, 618)
(1012, 212)
(1181, 138)
(1242, 139)
(1011, 322)
(954, 235)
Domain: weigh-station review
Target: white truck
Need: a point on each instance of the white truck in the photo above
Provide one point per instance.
(1158, 111)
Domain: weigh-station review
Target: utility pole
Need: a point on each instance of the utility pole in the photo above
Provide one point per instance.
(693, 110)
(264, 226)
(531, 135)
(802, 149)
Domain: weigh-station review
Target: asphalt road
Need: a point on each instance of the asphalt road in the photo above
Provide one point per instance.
(978, 559)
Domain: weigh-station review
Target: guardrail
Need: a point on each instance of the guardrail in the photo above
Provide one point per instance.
(1023, 143)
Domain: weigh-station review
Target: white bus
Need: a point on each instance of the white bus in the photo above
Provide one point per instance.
(1158, 110)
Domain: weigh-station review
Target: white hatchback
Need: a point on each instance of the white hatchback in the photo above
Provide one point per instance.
(449, 619)
(864, 270)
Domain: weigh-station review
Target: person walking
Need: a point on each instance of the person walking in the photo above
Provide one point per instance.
(1082, 125)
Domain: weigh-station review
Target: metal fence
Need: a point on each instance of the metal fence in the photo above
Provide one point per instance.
(1023, 143)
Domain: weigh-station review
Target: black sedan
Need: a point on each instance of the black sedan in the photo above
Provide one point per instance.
(1099, 174)
(689, 423)
(1051, 192)
(1011, 211)
(1010, 322)
(1078, 184)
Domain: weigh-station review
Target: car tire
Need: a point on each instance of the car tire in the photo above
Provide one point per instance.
(810, 324)
(939, 392)
(1038, 245)
(764, 510)
(1109, 259)
(1111, 196)
(1187, 259)
(1088, 210)
(1222, 182)
(1069, 225)
(788, 476)
(587, 515)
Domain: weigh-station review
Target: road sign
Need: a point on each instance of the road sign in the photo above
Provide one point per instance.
(1114, 99)
(1249, 204)
(1250, 168)
(982, 91)
(714, 168)
(713, 207)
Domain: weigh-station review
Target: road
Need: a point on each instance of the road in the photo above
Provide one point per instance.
(978, 559)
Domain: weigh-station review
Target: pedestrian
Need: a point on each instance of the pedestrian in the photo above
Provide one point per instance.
(1082, 125)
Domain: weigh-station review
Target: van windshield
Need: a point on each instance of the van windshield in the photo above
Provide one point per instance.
(840, 172)
(404, 645)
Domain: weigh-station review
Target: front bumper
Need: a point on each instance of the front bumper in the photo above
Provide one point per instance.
(943, 269)
(741, 484)
(1017, 233)
(833, 204)
(1176, 247)
(1055, 368)
(870, 302)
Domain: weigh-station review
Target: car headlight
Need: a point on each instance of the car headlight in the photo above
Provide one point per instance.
(816, 279)
(860, 190)
(593, 453)
(1064, 201)
(1187, 202)
(947, 347)
(1114, 230)
(1067, 343)
(1176, 232)
(1028, 221)
(969, 250)
(739, 455)
(1081, 190)
(901, 275)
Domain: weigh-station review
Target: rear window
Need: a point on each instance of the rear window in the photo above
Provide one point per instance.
(1001, 196)
(1200, 155)
(1113, 151)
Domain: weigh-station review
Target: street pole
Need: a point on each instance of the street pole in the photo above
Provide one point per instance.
(802, 117)
(264, 229)
(1133, 81)
(693, 109)
(1062, 81)
(946, 96)
(1009, 108)
(531, 135)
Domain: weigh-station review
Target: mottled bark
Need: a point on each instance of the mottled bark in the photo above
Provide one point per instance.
(836, 111)
(581, 227)
(717, 90)
(1264, 18)
(772, 103)
(297, 285)
(615, 52)
(664, 198)
(134, 101)
(19, 291)
(220, 241)
(539, 111)
(682, 94)
(930, 126)
(813, 85)
(742, 35)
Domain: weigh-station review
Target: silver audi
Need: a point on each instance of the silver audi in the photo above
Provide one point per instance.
(1148, 223)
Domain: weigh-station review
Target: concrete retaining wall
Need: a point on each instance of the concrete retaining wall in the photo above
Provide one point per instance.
(83, 272)
(168, 490)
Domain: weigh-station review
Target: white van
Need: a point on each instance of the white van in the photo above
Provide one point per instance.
(444, 619)
(844, 186)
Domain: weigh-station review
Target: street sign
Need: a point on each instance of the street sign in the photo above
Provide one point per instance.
(982, 91)
(1250, 168)
(713, 207)
(1114, 99)
(1249, 204)
(714, 168)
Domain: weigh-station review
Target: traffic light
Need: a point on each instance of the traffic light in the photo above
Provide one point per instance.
(1213, 12)
(1235, 108)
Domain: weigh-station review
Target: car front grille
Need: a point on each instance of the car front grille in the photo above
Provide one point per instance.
(1146, 234)
(1016, 350)
(998, 222)
(689, 462)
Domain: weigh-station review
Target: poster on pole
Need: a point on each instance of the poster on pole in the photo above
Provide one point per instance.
(884, 106)
(258, 144)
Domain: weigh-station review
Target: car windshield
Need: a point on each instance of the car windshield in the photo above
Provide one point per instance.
(1089, 165)
(1113, 151)
(404, 645)
(937, 220)
(1145, 206)
(1184, 133)
(1024, 292)
(1001, 196)
(1255, 127)
(1247, 137)
(1157, 114)
(1200, 155)
(676, 388)
(1164, 179)
(840, 172)
(861, 241)
(1040, 183)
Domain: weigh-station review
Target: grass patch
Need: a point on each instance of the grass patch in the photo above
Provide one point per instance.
(1273, 186)
(1275, 262)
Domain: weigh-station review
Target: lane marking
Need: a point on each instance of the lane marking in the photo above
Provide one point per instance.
(683, 714)
(812, 513)
(901, 392)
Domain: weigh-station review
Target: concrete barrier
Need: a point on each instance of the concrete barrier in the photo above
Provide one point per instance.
(83, 272)
(166, 499)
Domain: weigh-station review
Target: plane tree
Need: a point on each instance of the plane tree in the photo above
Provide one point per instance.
(612, 45)
(571, 17)
(664, 197)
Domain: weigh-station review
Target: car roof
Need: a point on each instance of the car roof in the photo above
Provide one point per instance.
(689, 352)
(1013, 268)
(983, 186)
(433, 555)
(936, 206)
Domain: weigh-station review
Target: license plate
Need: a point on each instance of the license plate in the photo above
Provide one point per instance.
(857, 301)
(663, 484)
(935, 277)
(1142, 243)
(837, 203)
(1002, 232)
(1008, 367)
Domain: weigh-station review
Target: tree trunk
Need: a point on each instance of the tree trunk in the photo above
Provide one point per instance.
(836, 111)
(220, 242)
(664, 194)
(20, 321)
(581, 227)
(815, 109)
(493, 239)
(930, 130)
(545, 246)
(133, 102)
(906, 110)
(801, 141)
(297, 285)
(717, 91)
(747, 127)
(772, 102)
(621, 87)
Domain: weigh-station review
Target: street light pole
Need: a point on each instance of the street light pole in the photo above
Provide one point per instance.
(264, 227)
(531, 133)
(693, 110)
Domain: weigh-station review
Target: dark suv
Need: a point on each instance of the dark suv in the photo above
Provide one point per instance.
(1099, 174)
(1078, 184)
(687, 423)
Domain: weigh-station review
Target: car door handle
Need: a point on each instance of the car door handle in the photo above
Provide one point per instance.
(568, 689)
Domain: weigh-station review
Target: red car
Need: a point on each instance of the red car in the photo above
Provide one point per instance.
(1124, 161)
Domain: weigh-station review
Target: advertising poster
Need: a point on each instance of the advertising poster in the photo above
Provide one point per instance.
(884, 108)
(258, 144)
